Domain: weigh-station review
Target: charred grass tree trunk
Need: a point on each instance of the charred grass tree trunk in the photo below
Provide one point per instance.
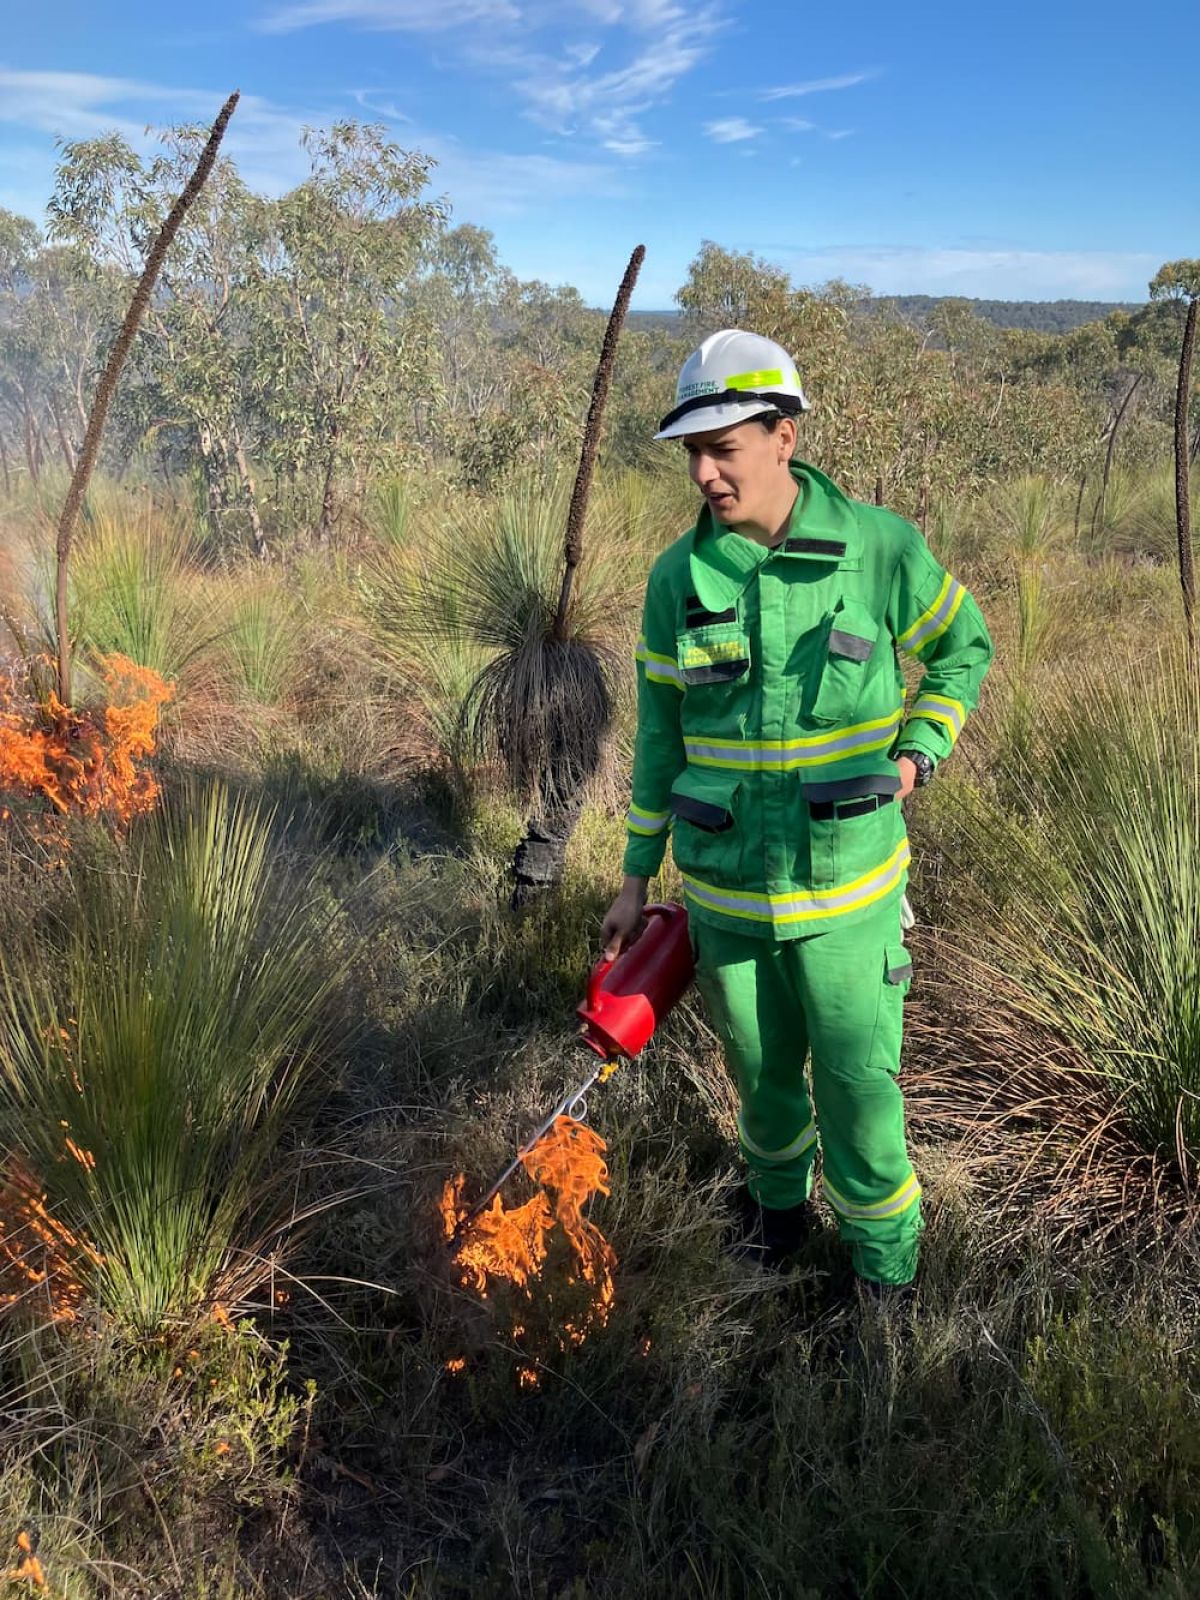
(108, 383)
(1183, 508)
(575, 704)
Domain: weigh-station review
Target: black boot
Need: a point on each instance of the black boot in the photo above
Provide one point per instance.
(895, 1298)
(765, 1235)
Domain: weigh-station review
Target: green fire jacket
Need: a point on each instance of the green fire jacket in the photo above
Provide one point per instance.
(771, 705)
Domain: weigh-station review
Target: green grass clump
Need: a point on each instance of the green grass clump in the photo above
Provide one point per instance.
(171, 1026)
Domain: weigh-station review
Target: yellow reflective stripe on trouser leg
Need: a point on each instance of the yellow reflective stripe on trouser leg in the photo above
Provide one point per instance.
(802, 1142)
(906, 1195)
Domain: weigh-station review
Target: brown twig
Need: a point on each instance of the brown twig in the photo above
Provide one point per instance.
(591, 438)
(108, 383)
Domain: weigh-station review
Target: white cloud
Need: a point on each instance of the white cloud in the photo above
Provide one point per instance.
(797, 124)
(730, 130)
(1001, 274)
(839, 133)
(264, 140)
(393, 16)
(793, 91)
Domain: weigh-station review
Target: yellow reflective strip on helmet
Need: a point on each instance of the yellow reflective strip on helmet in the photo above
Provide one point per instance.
(754, 380)
(803, 1140)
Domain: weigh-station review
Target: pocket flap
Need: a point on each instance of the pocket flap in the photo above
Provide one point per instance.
(715, 653)
(853, 631)
(899, 964)
(705, 799)
(852, 788)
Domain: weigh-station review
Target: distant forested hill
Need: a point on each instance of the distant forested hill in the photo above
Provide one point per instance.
(1043, 316)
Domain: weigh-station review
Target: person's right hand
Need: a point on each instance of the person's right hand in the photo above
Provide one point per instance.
(623, 921)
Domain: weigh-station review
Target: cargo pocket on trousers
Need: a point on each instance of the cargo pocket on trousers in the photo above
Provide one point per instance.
(897, 978)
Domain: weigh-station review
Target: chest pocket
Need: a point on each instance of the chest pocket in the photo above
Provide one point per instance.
(716, 652)
(843, 666)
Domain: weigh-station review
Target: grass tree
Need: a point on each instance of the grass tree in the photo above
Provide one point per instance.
(157, 1042)
(1180, 280)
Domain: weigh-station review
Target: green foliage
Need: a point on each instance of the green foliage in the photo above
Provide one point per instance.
(174, 1023)
(132, 589)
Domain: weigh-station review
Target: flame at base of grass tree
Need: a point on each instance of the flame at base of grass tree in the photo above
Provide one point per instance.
(40, 1258)
(503, 1246)
(81, 762)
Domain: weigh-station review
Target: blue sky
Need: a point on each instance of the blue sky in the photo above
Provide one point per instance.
(1030, 151)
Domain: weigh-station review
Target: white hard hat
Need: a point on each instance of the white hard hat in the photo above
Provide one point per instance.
(732, 377)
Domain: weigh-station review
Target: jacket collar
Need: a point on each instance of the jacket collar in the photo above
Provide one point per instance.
(822, 528)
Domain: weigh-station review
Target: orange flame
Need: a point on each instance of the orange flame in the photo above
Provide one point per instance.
(37, 1252)
(87, 764)
(511, 1246)
(28, 1568)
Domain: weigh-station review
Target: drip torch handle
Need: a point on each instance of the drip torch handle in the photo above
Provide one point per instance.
(595, 978)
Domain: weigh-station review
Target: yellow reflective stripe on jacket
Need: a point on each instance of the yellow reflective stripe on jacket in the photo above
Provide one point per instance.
(941, 708)
(906, 1195)
(803, 904)
(932, 624)
(803, 1141)
(785, 755)
(646, 823)
(659, 668)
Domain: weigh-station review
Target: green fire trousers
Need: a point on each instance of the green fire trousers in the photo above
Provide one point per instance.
(838, 996)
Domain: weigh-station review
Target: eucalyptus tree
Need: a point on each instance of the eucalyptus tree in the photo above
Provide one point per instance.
(338, 347)
(189, 364)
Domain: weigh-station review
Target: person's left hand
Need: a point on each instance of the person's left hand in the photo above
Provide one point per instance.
(907, 769)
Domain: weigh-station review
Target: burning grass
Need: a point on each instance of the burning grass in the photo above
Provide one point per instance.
(512, 1246)
(65, 762)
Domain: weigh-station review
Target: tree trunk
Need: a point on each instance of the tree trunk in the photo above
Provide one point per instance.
(325, 526)
(577, 510)
(64, 444)
(106, 388)
(1079, 502)
(4, 465)
(540, 858)
(215, 466)
(257, 535)
(1102, 497)
(1183, 509)
(31, 458)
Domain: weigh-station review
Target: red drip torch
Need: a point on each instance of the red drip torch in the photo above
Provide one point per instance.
(626, 1000)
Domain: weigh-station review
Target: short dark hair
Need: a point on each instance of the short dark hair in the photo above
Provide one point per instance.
(770, 420)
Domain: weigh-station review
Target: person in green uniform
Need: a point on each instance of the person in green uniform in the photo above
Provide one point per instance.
(774, 746)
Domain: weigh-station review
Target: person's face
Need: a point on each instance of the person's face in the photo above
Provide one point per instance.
(737, 469)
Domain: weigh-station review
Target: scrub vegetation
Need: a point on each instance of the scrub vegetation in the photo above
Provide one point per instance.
(263, 1001)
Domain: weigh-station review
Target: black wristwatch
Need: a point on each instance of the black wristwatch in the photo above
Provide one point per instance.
(922, 763)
